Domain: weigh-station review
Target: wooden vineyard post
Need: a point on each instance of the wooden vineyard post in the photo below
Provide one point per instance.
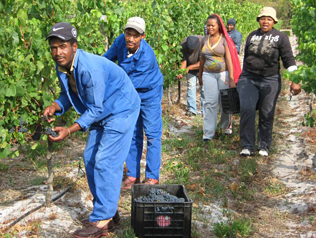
(179, 91)
(50, 178)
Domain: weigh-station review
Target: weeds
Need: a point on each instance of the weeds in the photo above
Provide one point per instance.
(274, 187)
(38, 180)
(233, 229)
(4, 167)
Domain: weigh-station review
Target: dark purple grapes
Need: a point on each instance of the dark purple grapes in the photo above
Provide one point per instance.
(21, 128)
(12, 129)
(49, 131)
(159, 195)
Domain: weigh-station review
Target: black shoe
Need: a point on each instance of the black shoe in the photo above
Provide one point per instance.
(190, 114)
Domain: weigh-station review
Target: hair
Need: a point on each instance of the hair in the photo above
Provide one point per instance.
(213, 16)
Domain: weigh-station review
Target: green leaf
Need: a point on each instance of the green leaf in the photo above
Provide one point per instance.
(40, 66)
(11, 91)
(34, 146)
(22, 16)
(165, 47)
(16, 38)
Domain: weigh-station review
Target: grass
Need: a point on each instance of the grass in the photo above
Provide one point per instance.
(4, 167)
(38, 180)
(207, 171)
(275, 187)
(239, 228)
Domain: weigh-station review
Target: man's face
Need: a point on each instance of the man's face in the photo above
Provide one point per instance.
(63, 52)
(230, 27)
(133, 38)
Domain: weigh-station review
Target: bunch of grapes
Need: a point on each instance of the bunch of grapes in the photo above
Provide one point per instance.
(21, 127)
(159, 195)
(49, 131)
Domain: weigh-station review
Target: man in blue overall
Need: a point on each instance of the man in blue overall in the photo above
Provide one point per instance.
(108, 104)
(233, 33)
(138, 60)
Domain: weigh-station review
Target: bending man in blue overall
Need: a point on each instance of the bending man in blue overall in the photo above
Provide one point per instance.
(138, 60)
(104, 96)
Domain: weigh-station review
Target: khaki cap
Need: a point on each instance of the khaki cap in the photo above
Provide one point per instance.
(136, 23)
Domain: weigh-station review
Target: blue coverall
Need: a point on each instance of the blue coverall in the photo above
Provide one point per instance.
(109, 106)
(144, 72)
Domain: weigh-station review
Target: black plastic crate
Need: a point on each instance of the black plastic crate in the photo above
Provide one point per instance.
(149, 222)
(230, 100)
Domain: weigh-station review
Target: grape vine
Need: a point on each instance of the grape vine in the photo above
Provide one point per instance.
(303, 26)
(28, 81)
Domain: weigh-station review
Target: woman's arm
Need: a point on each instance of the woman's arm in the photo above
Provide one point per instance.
(202, 61)
(230, 68)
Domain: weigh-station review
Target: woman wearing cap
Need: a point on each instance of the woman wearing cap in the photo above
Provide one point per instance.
(216, 72)
(260, 82)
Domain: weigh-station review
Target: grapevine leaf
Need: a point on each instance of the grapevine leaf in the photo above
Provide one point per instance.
(40, 66)
(11, 91)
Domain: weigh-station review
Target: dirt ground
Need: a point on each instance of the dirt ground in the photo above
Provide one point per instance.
(290, 214)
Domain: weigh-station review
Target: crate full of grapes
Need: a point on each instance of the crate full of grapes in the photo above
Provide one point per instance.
(161, 211)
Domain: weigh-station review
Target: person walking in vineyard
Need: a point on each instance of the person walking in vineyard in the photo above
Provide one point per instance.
(216, 72)
(233, 33)
(138, 59)
(260, 82)
(103, 95)
(191, 49)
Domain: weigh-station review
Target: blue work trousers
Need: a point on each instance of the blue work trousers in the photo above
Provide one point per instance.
(192, 81)
(104, 156)
(257, 92)
(150, 122)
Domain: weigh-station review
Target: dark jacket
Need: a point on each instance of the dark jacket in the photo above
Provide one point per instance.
(263, 52)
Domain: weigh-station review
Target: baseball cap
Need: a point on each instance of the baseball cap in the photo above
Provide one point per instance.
(192, 42)
(63, 31)
(268, 12)
(136, 23)
(231, 21)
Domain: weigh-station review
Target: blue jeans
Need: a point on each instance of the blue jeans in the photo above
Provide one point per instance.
(150, 122)
(191, 94)
(256, 91)
(104, 156)
(213, 83)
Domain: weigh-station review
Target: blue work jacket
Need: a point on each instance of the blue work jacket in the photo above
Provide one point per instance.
(236, 37)
(104, 90)
(142, 67)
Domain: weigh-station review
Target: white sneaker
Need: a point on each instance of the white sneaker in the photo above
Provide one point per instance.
(246, 152)
(263, 152)
(228, 131)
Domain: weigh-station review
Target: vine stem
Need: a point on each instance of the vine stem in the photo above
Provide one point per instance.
(22, 34)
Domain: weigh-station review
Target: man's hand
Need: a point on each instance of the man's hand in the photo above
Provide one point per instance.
(295, 88)
(184, 71)
(49, 112)
(63, 132)
(180, 76)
